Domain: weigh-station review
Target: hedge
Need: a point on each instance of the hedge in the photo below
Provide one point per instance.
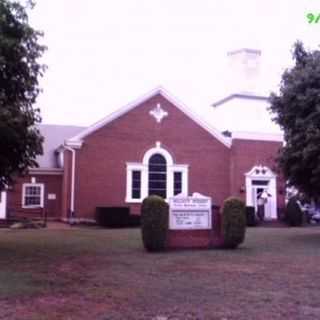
(116, 217)
(154, 223)
(233, 222)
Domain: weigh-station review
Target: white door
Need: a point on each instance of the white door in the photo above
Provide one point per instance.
(268, 205)
(3, 205)
(261, 178)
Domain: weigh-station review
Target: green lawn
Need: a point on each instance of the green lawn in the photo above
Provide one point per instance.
(105, 274)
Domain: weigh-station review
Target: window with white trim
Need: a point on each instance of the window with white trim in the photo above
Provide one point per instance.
(157, 180)
(156, 175)
(136, 184)
(32, 195)
(177, 180)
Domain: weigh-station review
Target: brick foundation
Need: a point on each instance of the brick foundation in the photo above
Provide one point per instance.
(197, 239)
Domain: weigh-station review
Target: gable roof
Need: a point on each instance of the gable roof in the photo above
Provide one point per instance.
(159, 90)
(245, 96)
(54, 136)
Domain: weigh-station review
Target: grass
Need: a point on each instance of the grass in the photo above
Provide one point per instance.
(106, 274)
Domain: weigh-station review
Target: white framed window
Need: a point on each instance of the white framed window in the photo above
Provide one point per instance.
(156, 175)
(32, 195)
(134, 182)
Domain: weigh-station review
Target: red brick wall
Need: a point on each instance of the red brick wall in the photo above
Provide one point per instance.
(52, 184)
(101, 162)
(246, 154)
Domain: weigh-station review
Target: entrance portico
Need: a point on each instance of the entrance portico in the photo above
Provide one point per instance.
(258, 179)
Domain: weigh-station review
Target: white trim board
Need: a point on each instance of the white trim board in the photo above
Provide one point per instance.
(241, 135)
(159, 90)
(3, 205)
(45, 171)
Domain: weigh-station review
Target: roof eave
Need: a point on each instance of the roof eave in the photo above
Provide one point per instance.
(73, 143)
(240, 96)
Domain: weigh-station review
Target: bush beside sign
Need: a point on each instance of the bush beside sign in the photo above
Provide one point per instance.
(189, 222)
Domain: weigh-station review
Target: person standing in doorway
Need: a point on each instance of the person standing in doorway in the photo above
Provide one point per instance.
(262, 199)
(260, 204)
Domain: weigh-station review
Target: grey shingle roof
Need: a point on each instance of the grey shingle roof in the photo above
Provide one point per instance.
(54, 136)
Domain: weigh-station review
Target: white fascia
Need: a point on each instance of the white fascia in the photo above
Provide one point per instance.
(273, 137)
(75, 144)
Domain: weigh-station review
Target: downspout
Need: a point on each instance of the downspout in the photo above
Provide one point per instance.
(73, 173)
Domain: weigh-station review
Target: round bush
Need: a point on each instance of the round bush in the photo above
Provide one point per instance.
(154, 223)
(294, 215)
(233, 222)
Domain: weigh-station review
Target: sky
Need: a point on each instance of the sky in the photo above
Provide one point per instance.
(103, 54)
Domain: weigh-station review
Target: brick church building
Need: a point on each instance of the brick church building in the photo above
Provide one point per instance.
(154, 145)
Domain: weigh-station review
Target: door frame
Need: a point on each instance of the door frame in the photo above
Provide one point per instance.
(3, 205)
(262, 173)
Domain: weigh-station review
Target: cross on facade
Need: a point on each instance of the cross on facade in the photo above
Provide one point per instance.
(158, 113)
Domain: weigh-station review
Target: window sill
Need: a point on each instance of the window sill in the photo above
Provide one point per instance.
(133, 200)
(140, 200)
(32, 207)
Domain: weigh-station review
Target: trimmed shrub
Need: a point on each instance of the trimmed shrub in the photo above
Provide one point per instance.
(251, 216)
(233, 222)
(154, 223)
(294, 215)
(116, 217)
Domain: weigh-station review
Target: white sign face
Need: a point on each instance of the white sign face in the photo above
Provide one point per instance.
(52, 196)
(190, 213)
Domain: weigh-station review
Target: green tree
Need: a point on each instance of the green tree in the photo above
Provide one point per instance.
(297, 110)
(20, 140)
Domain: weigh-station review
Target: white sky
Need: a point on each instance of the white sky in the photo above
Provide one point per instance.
(105, 53)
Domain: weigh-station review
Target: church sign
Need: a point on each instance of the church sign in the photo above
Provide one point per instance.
(190, 213)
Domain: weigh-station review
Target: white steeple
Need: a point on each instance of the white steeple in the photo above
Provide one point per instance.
(245, 107)
(244, 71)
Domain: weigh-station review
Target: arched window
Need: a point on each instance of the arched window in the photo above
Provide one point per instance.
(157, 174)
(157, 180)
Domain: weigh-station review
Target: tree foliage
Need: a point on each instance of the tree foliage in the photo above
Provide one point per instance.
(297, 110)
(20, 140)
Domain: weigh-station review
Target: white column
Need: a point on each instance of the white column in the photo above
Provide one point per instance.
(170, 174)
(129, 184)
(3, 205)
(144, 182)
(185, 182)
(273, 198)
(248, 192)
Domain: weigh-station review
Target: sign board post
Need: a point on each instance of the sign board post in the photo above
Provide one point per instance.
(190, 213)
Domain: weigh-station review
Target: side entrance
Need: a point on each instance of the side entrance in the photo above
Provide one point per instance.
(260, 179)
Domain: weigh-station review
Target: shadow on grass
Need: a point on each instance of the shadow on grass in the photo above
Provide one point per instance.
(310, 239)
